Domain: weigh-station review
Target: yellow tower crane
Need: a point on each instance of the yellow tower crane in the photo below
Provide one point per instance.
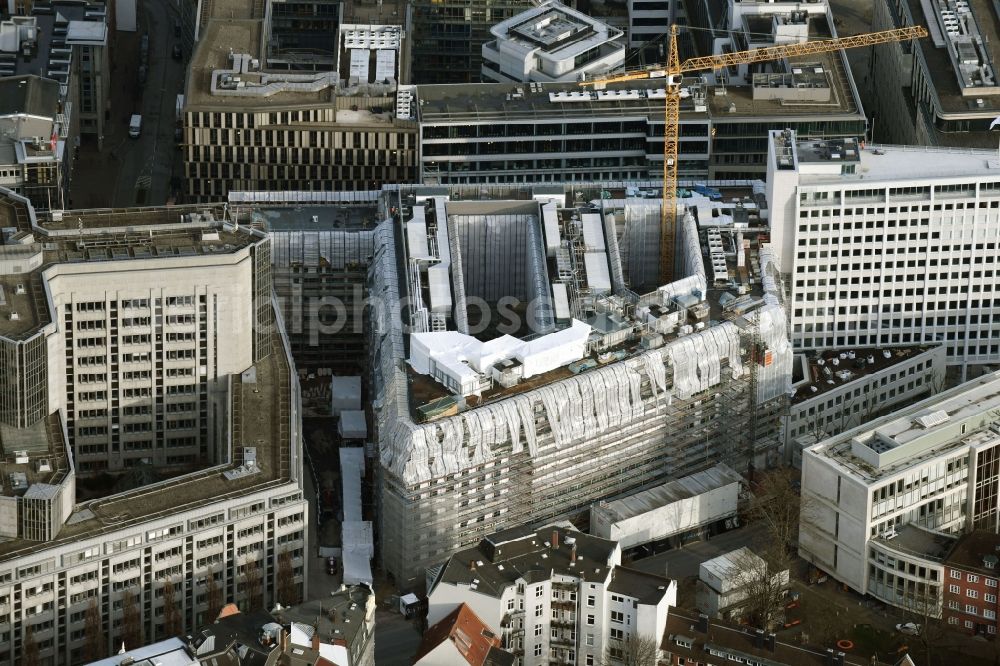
(673, 71)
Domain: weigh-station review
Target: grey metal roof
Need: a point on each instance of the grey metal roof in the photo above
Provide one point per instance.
(29, 94)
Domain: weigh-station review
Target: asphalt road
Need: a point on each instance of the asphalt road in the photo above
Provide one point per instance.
(684, 562)
(147, 162)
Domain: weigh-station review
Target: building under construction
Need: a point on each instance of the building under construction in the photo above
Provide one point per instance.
(525, 363)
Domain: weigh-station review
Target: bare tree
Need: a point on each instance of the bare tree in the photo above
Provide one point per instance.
(171, 614)
(778, 505)
(633, 651)
(288, 591)
(924, 609)
(95, 646)
(29, 648)
(252, 588)
(214, 596)
(131, 620)
(762, 585)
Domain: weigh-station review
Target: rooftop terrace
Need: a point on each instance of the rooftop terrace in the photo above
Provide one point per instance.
(828, 370)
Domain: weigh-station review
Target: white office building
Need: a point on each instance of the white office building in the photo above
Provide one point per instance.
(555, 595)
(883, 503)
(888, 245)
(549, 43)
(834, 391)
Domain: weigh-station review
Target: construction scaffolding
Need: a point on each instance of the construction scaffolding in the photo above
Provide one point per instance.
(546, 453)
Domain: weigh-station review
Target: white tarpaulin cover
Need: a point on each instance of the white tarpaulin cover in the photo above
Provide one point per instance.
(352, 469)
(359, 64)
(356, 534)
(561, 300)
(577, 408)
(352, 424)
(385, 65)
(593, 231)
(462, 357)
(550, 222)
(345, 393)
(598, 277)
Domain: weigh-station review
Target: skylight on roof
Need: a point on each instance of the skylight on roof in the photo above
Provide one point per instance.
(933, 419)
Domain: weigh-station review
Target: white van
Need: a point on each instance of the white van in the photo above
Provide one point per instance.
(135, 126)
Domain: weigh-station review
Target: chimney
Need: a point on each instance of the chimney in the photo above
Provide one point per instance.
(770, 642)
(315, 639)
(572, 554)
(284, 640)
(702, 624)
(555, 539)
(758, 639)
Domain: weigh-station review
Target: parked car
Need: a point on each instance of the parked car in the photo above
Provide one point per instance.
(332, 567)
(908, 628)
(177, 28)
(178, 53)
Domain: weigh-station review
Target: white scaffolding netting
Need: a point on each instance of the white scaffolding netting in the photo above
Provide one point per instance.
(577, 408)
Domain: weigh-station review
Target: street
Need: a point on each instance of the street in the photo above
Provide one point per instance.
(129, 172)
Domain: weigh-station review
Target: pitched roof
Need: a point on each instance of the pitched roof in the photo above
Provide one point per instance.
(31, 95)
(723, 639)
(475, 641)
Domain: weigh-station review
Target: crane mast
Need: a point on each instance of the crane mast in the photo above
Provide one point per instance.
(672, 72)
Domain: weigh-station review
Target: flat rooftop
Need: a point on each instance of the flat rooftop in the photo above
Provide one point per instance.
(338, 617)
(60, 25)
(260, 418)
(485, 101)
(646, 587)
(554, 28)
(954, 419)
(942, 66)
(915, 540)
(878, 162)
(42, 441)
(673, 491)
(97, 235)
(851, 364)
(317, 218)
(482, 102)
(236, 26)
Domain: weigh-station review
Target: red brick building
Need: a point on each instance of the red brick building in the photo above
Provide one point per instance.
(971, 576)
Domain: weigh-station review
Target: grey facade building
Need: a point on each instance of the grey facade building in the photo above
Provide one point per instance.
(263, 110)
(448, 36)
(116, 358)
(556, 132)
(467, 448)
(65, 40)
(940, 91)
(34, 154)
